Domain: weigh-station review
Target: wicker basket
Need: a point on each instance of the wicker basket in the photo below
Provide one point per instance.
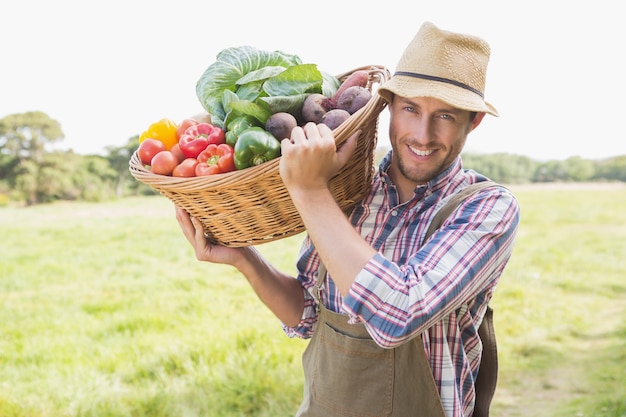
(252, 206)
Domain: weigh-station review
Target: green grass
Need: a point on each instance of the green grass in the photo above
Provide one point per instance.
(104, 311)
(561, 305)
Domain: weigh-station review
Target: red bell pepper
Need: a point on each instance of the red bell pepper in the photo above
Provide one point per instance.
(216, 159)
(197, 137)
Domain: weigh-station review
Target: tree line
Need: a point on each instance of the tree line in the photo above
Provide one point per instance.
(31, 173)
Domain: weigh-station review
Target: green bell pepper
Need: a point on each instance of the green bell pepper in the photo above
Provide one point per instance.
(255, 146)
(238, 125)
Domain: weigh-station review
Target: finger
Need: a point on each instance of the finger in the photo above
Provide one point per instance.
(199, 235)
(326, 135)
(324, 130)
(181, 215)
(312, 130)
(184, 221)
(297, 135)
(284, 145)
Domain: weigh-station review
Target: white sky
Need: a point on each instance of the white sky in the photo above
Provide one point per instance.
(106, 70)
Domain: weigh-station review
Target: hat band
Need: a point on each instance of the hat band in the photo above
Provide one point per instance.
(440, 79)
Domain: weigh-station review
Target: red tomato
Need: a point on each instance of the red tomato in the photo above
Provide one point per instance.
(187, 168)
(164, 163)
(176, 151)
(148, 148)
(184, 125)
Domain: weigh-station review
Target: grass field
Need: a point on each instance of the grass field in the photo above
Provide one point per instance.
(105, 312)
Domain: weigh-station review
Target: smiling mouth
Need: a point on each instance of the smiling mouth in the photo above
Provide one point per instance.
(420, 152)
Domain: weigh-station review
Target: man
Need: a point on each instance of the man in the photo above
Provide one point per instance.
(394, 321)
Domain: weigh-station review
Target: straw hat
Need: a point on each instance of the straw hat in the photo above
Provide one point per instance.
(449, 66)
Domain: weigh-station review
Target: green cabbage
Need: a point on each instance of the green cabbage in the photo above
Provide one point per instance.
(248, 81)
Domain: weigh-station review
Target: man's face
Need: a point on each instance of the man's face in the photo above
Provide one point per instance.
(426, 136)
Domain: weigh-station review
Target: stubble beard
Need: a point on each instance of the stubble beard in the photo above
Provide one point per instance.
(417, 174)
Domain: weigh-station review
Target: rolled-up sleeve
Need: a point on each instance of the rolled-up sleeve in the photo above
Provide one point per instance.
(305, 328)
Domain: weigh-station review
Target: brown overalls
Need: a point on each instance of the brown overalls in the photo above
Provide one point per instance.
(347, 374)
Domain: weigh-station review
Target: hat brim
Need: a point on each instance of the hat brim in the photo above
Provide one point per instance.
(458, 97)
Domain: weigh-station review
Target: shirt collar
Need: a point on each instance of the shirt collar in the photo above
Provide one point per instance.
(445, 178)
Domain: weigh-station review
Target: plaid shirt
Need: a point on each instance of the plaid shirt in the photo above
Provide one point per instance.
(440, 288)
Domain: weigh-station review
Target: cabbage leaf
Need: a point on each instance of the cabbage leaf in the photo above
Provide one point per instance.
(249, 81)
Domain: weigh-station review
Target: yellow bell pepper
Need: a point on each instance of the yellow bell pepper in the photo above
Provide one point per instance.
(164, 130)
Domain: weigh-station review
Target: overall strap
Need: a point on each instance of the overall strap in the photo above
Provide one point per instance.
(452, 203)
(487, 379)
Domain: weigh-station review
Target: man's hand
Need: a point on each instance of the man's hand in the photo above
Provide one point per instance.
(204, 250)
(311, 158)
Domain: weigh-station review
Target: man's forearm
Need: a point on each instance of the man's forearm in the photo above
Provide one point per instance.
(281, 293)
(341, 248)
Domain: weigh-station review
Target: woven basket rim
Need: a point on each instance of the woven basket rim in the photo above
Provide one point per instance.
(137, 166)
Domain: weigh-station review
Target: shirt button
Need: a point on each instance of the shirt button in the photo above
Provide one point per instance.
(394, 213)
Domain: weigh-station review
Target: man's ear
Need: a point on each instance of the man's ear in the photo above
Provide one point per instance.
(477, 119)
